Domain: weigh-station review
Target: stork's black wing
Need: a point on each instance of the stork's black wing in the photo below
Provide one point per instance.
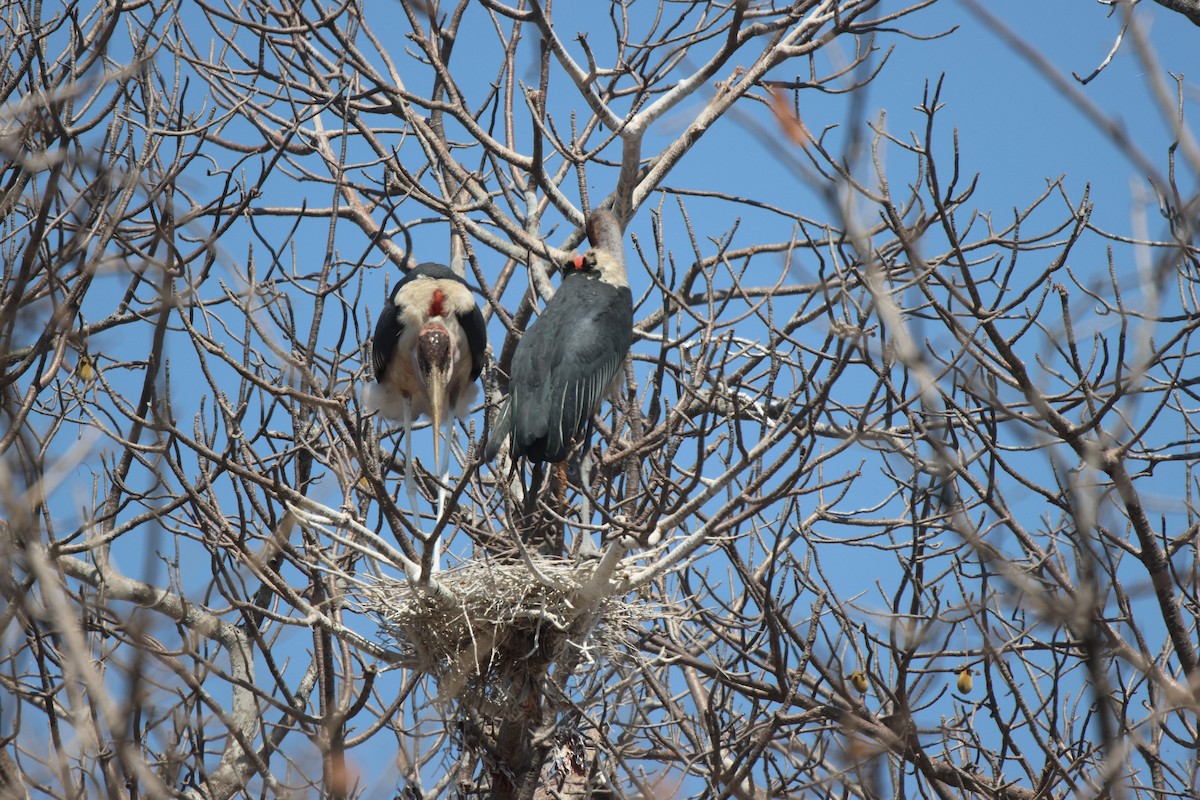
(528, 408)
(387, 334)
(591, 357)
(564, 365)
(476, 333)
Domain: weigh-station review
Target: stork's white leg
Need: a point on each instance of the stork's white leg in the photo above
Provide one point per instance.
(587, 546)
(410, 487)
(585, 483)
(442, 492)
(443, 477)
(444, 469)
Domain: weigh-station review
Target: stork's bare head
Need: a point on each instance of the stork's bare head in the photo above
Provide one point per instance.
(608, 267)
(433, 351)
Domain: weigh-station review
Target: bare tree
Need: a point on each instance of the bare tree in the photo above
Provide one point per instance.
(1188, 8)
(896, 499)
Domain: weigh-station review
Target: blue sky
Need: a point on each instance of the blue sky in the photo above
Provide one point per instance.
(1014, 128)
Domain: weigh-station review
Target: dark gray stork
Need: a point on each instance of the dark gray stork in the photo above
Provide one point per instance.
(569, 358)
(427, 352)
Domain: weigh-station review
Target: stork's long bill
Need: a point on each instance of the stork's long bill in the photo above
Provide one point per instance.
(435, 363)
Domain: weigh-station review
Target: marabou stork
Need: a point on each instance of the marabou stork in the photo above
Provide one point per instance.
(427, 352)
(570, 357)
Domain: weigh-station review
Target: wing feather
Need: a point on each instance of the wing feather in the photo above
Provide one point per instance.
(388, 329)
(564, 365)
(476, 332)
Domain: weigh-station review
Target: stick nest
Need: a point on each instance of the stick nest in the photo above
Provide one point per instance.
(496, 626)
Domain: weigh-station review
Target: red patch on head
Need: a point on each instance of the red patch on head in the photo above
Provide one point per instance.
(578, 262)
(437, 306)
